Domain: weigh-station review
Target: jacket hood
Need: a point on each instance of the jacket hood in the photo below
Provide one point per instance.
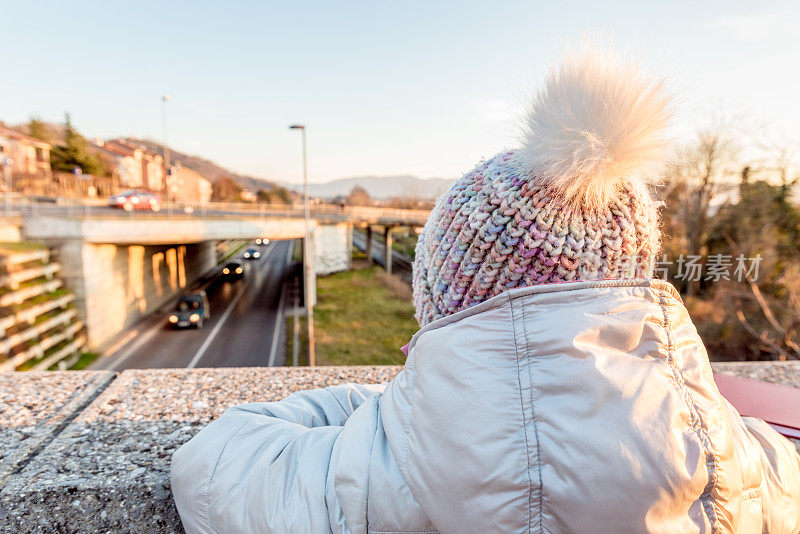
(563, 407)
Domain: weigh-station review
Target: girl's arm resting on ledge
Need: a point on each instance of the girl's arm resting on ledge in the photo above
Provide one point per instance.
(262, 467)
(330, 406)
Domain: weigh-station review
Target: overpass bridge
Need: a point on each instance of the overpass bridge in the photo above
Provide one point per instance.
(122, 266)
(16, 206)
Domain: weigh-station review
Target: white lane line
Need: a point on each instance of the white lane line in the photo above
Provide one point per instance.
(144, 338)
(127, 338)
(218, 326)
(279, 319)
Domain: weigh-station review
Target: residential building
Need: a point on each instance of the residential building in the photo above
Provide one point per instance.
(25, 155)
(134, 165)
(126, 163)
(153, 170)
(188, 186)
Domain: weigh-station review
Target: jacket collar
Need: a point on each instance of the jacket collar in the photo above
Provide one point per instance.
(504, 298)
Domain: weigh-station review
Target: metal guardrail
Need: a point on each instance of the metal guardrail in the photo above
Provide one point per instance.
(14, 205)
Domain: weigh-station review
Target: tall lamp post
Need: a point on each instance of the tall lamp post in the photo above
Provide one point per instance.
(307, 258)
(7, 163)
(164, 148)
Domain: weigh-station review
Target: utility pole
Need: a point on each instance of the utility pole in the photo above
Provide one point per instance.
(164, 148)
(307, 255)
(7, 163)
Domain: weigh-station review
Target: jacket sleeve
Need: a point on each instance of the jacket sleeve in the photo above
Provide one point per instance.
(263, 467)
(780, 485)
(776, 462)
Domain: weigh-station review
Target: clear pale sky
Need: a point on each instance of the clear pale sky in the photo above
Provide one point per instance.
(425, 88)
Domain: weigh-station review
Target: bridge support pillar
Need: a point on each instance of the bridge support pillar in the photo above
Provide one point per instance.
(387, 254)
(332, 246)
(368, 248)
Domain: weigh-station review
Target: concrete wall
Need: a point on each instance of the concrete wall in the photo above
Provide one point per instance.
(116, 285)
(158, 229)
(9, 232)
(332, 245)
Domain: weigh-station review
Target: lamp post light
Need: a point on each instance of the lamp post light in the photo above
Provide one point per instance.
(307, 257)
(164, 148)
(7, 163)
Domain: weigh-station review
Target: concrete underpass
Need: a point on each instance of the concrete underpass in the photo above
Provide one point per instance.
(122, 270)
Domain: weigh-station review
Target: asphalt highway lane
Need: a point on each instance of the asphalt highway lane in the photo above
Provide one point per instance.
(246, 327)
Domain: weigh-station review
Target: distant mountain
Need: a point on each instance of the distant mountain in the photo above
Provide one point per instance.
(381, 187)
(208, 169)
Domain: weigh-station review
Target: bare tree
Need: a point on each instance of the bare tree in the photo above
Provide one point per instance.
(779, 159)
(701, 173)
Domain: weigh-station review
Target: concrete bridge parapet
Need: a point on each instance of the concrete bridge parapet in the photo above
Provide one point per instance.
(160, 230)
(91, 450)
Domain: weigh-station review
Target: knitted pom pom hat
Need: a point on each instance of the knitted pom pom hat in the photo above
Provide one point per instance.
(572, 204)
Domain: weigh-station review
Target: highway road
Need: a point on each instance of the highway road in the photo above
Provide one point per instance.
(246, 327)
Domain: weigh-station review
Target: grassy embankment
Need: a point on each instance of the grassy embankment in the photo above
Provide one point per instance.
(362, 317)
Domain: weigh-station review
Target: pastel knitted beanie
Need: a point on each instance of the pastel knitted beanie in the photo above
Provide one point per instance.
(573, 203)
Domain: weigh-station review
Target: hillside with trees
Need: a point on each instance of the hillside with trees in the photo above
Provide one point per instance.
(70, 150)
(214, 172)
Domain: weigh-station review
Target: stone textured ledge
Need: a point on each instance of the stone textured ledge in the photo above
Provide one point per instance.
(108, 469)
(786, 373)
(105, 467)
(35, 407)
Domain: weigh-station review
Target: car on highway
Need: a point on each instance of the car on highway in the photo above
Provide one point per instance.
(262, 241)
(135, 199)
(251, 254)
(191, 310)
(233, 270)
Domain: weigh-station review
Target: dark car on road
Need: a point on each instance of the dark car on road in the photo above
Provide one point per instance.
(191, 310)
(262, 241)
(251, 254)
(233, 271)
(135, 199)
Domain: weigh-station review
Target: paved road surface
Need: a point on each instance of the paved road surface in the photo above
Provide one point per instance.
(246, 327)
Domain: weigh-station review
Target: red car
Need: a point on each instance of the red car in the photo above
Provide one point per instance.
(135, 200)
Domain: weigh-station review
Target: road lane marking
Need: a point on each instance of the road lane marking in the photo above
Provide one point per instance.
(279, 314)
(218, 326)
(216, 329)
(111, 351)
(144, 338)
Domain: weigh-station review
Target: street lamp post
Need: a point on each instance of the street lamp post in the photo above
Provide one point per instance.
(164, 148)
(307, 258)
(7, 163)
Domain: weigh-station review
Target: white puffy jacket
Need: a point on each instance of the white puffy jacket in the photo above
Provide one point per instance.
(578, 407)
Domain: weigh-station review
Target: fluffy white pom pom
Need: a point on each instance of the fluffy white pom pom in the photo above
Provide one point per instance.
(597, 122)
